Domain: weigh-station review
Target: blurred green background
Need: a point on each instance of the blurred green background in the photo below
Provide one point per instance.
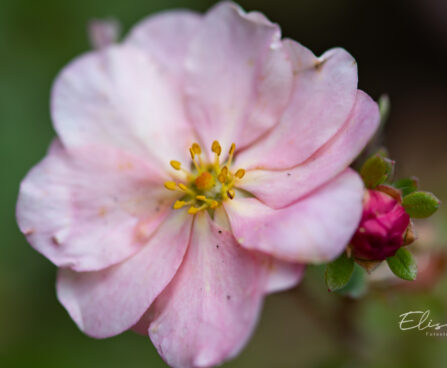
(401, 48)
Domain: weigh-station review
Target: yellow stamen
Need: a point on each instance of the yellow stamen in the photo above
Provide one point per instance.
(179, 204)
(231, 153)
(196, 148)
(193, 210)
(170, 185)
(208, 184)
(240, 173)
(216, 148)
(176, 165)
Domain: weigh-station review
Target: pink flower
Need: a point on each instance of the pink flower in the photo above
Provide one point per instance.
(179, 240)
(382, 228)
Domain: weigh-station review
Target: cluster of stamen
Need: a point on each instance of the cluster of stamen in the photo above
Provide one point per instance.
(206, 185)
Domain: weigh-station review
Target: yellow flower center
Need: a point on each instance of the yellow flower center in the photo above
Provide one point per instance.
(207, 184)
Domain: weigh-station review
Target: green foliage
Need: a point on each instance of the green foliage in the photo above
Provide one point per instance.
(420, 204)
(407, 185)
(356, 286)
(339, 272)
(376, 170)
(403, 265)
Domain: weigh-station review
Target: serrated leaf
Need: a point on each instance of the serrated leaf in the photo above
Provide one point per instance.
(339, 272)
(420, 204)
(403, 265)
(376, 170)
(407, 185)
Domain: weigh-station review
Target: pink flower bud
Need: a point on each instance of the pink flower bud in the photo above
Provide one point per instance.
(382, 228)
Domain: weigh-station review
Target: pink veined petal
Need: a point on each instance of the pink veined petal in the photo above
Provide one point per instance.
(107, 302)
(314, 229)
(283, 275)
(280, 188)
(323, 95)
(167, 36)
(207, 313)
(91, 207)
(120, 97)
(238, 76)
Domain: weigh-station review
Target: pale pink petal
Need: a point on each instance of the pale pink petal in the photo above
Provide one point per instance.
(103, 32)
(207, 313)
(323, 95)
(167, 36)
(238, 77)
(120, 97)
(107, 302)
(314, 229)
(91, 207)
(283, 275)
(280, 188)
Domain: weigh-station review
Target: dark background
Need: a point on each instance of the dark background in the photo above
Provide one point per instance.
(401, 49)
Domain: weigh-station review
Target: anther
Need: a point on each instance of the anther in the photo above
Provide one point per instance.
(196, 148)
(179, 204)
(232, 148)
(171, 185)
(193, 210)
(183, 187)
(176, 165)
(240, 173)
(216, 148)
(231, 153)
(231, 193)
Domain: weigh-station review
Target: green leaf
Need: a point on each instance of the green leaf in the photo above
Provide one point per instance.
(376, 170)
(407, 185)
(420, 204)
(357, 286)
(339, 272)
(403, 265)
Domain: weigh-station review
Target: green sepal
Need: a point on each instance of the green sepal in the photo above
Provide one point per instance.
(376, 170)
(403, 265)
(339, 272)
(407, 185)
(420, 204)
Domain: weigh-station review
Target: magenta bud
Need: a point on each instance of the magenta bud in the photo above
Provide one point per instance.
(382, 228)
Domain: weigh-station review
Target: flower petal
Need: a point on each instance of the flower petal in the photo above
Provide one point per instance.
(283, 275)
(107, 302)
(238, 77)
(209, 310)
(314, 229)
(280, 188)
(121, 98)
(323, 95)
(92, 207)
(166, 36)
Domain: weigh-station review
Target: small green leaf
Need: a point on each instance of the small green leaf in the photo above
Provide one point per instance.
(376, 170)
(420, 204)
(339, 272)
(407, 185)
(403, 265)
(357, 286)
